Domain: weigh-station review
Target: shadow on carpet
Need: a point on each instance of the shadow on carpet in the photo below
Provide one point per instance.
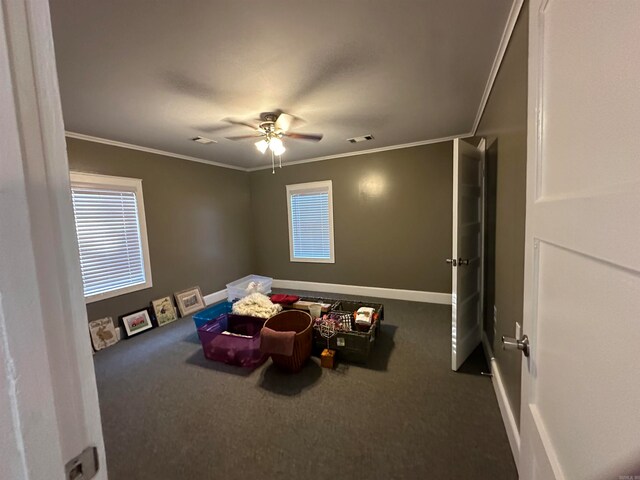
(276, 381)
(192, 338)
(198, 359)
(476, 364)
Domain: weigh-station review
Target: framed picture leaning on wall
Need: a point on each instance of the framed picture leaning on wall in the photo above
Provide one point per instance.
(189, 301)
(164, 310)
(136, 322)
(103, 333)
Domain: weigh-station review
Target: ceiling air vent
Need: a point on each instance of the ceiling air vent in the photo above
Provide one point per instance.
(363, 138)
(204, 141)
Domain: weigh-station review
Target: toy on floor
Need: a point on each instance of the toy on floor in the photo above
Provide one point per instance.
(327, 357)
(327, 328)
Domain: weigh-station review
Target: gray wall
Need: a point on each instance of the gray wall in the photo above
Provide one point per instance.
(198, 221)
(396, 239)
(504, 124)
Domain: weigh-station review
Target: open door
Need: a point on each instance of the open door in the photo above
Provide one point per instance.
(466, 260)
(49, 416)
(580, 387)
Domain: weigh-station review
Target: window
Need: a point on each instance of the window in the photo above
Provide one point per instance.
(112, 235)
(311, 222)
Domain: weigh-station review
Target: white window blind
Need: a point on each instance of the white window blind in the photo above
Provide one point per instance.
(311, 222)
(110, 239)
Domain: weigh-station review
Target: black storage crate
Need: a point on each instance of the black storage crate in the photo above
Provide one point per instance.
(354, 346)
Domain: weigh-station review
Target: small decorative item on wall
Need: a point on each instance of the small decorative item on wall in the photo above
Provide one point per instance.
(103, 333)
(189, 301)
(136, 322)
(164, 311)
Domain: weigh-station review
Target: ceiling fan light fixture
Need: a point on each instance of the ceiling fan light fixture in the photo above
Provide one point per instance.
(268, 134)
(279, 150)
(262, 146)
(277, 146)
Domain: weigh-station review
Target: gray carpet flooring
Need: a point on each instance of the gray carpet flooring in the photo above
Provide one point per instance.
(168, 413)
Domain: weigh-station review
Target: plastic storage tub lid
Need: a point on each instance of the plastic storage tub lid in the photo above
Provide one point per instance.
(245, 281)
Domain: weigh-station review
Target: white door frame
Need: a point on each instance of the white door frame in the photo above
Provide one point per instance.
(49, 403)
(551, 468)
(482, 146)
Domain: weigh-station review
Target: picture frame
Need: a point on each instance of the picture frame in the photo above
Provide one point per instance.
(136, 322)
(103, 333)
(189, 301)
(164, 311)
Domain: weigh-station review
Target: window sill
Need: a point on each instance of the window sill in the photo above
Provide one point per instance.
(312, 260)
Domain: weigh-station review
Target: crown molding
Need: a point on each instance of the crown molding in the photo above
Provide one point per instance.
(497, 61)
(114, 143)
(364, 152)
(105, 141)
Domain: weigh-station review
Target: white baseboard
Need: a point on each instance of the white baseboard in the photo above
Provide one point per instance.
(508, 417)
(215, 297)
(391, 293)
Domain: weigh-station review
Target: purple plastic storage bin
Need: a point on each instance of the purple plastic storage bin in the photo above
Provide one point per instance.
(233, 339)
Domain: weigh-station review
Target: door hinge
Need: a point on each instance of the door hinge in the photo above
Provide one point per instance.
(84, 466)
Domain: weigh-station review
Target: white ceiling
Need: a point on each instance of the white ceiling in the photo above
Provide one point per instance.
(157, 73)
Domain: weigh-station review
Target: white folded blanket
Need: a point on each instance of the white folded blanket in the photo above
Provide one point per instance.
(256, 305)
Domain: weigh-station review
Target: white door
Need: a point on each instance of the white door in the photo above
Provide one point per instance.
(466, 261)
(580, 411)
(48, 398)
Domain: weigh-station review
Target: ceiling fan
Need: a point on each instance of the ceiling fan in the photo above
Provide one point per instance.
(272, 128)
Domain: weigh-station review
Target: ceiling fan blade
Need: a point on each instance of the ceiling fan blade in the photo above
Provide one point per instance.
(211, 128)
(284, 121)
(314, 137)
(239, 122)
(244, 137)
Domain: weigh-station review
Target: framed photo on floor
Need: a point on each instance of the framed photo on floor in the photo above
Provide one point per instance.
(103, 333)
(136, 322)
(164, 310)
(189, 301)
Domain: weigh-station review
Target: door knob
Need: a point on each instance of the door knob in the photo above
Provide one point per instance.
(510, 343)
(463, 261)
(452, 261)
